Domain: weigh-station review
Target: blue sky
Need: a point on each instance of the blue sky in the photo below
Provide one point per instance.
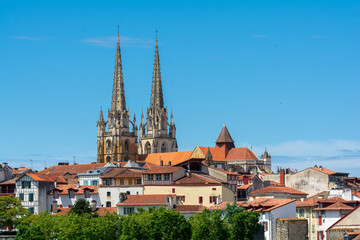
(281, 74)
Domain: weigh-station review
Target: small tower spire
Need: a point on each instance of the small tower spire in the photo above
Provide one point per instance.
(157, 100)
(142, 117)
(118, 95)
(172, 117)
(101, 117)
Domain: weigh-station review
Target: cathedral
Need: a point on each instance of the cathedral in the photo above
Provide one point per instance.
(117, 139)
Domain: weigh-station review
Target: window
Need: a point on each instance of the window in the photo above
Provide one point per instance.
(127, 192)
(166, 176)
(108, 204)
(128, 210)
(108, 194)
(212, 199)
(147, 148)
(158, 177)
(130, 182)
(87, 194)
(121, 181)
(56, 194)
(31, 210)
(71, 194)
(150, 177)
(31, 197)
(173, 190)
(26, 184)
(200, 200)
(21, 196)
(126, 146)
(94, 183)
(301, 213)
(181, 198)
(138, 181)
(85, 182)
(107, 182)
(108, 144)
(163, 147)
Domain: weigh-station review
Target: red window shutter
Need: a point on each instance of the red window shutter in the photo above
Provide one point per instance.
(266, 226)
(210, 199)
(173, 190)
(320, 220)
(200, 200)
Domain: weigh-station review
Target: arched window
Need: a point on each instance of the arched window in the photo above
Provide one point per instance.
(163, 147)
(127, 146)
(108, 144)
(147, 148)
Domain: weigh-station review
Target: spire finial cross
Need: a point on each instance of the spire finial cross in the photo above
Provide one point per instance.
(118, 28)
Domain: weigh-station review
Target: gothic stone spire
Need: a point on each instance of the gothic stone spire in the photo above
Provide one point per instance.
(157, 100)
(118, 95)
(101, 117)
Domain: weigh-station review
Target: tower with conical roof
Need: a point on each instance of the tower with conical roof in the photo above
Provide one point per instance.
(266, 157)
(118, 143)
(157, 134)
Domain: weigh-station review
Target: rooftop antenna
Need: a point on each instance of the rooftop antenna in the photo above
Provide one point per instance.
(31, 164)
(74, 160)
(45, 164)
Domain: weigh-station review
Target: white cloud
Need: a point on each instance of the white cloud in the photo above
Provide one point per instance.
(110, 41)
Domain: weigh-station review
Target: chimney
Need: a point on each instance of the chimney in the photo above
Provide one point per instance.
(302, 199)
(169, 163)
(282, 177)
(161, 163)
(54, 206)
(93, 205)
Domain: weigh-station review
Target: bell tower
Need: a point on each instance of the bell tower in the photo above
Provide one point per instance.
(157, 134)
(118, 143)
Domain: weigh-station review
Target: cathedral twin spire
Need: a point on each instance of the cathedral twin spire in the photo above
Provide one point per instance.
(156, 91)
(118, 95)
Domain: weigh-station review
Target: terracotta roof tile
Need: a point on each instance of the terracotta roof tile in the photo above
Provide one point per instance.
(273, 189)
(46, 178)
(71, 169)
(197, 179)
(244, 187)
(267, 204)
(307, 203)
(20, 170)
(189, 208)
(145, 200)
(175, 157)
(64, 189)
(123, 173)
(242, 153)
(222, 206)
(165, 169)
(224, 136)
(335, 206)
(218, 154)
(102, 211)
(324, 170)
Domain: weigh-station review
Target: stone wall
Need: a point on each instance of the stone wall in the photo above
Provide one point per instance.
(292, 229)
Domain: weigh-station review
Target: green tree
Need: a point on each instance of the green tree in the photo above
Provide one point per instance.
(209, 225)
(10, 211)
(80, 207)
(167, 224)
(243, 224)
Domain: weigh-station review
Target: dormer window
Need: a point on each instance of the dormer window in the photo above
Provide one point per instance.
(56, 194)
(87, 193)
(71, 194)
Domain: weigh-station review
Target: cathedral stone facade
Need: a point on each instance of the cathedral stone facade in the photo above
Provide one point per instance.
(119, 142)
(157, 135)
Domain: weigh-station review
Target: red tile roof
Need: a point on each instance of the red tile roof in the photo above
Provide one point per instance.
(222, 206)
(273, 189)
(324, 170)
(71, 169)
(335, 207)
(189, 208)
(307, 203)
(196, 179)
(64, 189)
(175, 157)
(20, 170)
(165, 169)
(102, 211)
(244, 187)
(242, 153)
(145, 200)
(267, 204)
(123, 173)
(46, 178)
